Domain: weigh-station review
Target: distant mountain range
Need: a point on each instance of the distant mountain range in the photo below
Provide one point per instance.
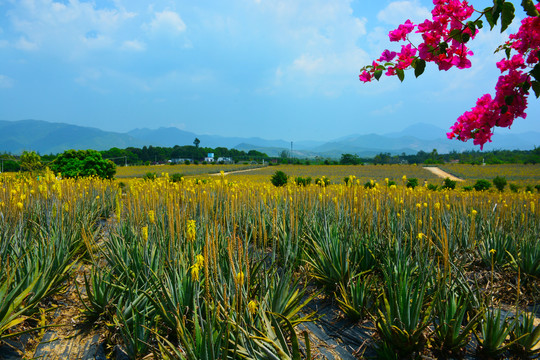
(46, 137)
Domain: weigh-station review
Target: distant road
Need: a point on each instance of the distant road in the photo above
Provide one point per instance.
(441, 173)
(234, 172)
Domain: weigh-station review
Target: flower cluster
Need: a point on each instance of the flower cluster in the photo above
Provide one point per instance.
(195, 269)
(444, 43)
(191, 230)
(511, 91)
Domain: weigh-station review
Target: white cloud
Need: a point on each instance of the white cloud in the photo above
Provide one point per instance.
(24, 44)
(88, 75)
(133, 45)
(388, 109)
(68, 28)
(398, 12)
(318, 40)
(166, 22)
(5, 82)
(309, 64)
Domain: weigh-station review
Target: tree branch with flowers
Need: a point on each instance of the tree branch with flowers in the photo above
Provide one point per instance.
(454, 23)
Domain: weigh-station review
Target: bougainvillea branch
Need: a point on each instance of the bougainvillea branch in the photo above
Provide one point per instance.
(445, 39)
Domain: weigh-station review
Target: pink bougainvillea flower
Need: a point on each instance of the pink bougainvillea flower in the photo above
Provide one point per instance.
(387, 55)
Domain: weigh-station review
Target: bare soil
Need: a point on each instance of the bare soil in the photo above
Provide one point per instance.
(441, 173)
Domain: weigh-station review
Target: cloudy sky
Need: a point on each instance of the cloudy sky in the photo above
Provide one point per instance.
(271, 68)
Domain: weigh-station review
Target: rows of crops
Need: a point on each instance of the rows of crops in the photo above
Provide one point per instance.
(187, 170)
(224, 268)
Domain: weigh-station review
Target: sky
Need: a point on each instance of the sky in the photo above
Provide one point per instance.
(281, 69)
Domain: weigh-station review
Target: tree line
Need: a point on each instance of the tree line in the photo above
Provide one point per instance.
(467, 157)
(157, 154)
(145, 155)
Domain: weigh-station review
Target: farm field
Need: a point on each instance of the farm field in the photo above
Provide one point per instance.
(188, 170)
(522, 174)
(336, 173)
(234, 267)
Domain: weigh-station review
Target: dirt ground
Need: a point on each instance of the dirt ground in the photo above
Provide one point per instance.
(441, 173)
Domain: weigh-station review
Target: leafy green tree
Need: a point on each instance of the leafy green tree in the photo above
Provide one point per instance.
(449, 184)
(499, 182)
(196, 142)
(412, 183)
(482, 185)
(30, 161)
(349, 159)
(81, 163)
(279, 178)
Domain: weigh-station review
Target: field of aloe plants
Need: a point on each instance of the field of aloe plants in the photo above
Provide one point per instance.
(226, 268)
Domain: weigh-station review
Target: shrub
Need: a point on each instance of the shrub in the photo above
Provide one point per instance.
(323, 181)
(187, 162)
(150, 176)
(482, 185)
(177, 177)
(529, 188)
(514, 188)
(449, 184)
(391, 182)
(300, 181)
(467, 188)
(279, 178)
(537, 187)
(412, 183)
(499, 182)
(369, 185)
(432, 187)
(30, 161)
(82, 163)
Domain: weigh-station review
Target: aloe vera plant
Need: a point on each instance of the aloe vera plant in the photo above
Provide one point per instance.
(494, 330)
(452, 329)
(526, 336)
(528, 258)
(331, 258)
(403, 313)
(357, 298)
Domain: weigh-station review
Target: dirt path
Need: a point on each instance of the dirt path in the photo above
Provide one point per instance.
(235, 172)
(441, 173)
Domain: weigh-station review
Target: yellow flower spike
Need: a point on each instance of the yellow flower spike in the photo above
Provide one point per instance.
(199, 260)
(144, 233)
(240, 278)
(151, 216)
(191, 231)
(252, 307)
(20, 205)
(195, 273)
(437, 206)
(492, 251)
(474, 212)
(420, 236)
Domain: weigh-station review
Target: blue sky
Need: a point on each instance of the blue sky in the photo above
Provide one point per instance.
(275, 69)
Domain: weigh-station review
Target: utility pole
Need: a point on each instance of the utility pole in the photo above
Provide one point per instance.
(291, 150)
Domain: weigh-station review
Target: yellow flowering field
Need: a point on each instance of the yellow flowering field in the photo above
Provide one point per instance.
(188, 170)
(228, 266)
(529, 173)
